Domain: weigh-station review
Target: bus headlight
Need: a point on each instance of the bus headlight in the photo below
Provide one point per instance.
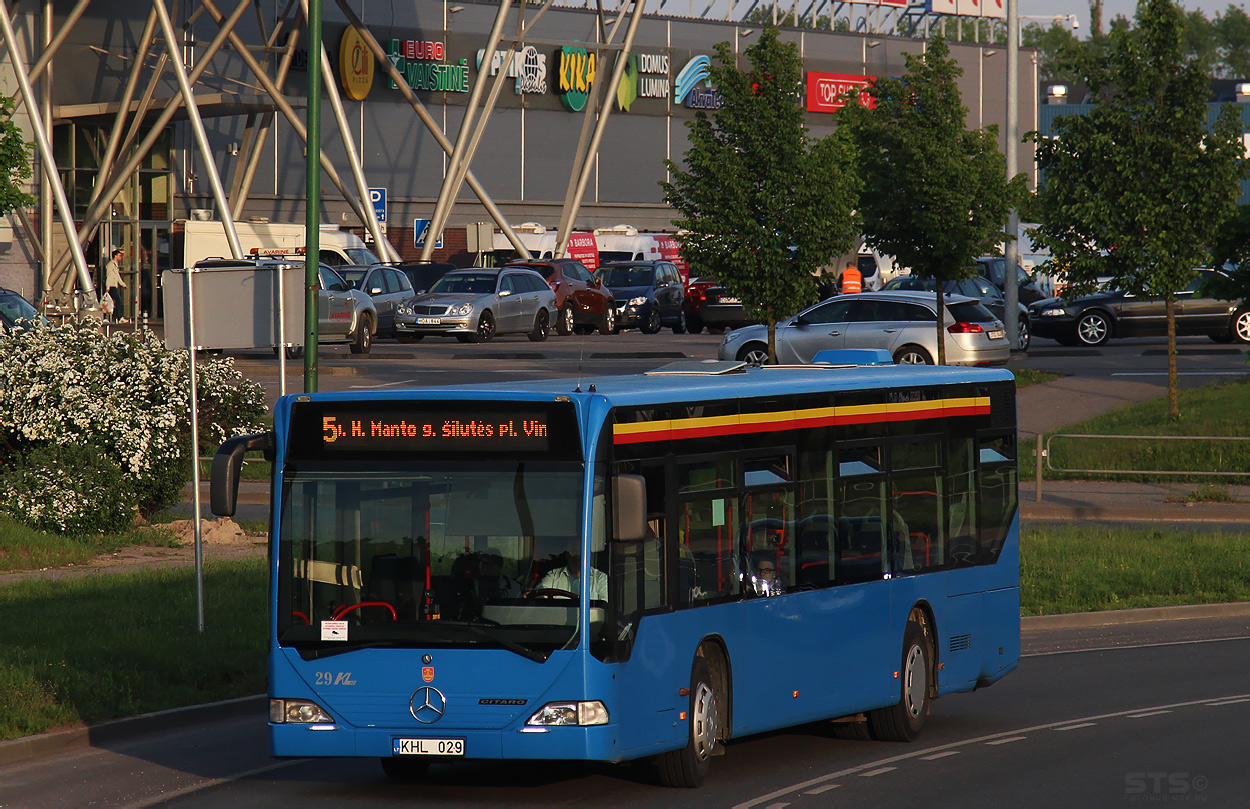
(296, 712)
(570, 713)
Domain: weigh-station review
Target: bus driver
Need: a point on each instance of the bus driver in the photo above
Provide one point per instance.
(568, 577)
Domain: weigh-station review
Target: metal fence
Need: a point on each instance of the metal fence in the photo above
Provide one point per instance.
(1044, 452)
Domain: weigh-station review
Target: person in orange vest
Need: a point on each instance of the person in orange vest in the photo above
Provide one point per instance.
(852, 280)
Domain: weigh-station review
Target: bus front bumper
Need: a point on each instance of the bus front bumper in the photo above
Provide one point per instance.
(596, 743)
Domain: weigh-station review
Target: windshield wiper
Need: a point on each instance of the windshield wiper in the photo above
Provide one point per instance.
(511, 646)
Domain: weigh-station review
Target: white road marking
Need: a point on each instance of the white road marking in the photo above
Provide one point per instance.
(1148, 713)
(876, 772)
(1133, 646)
(943, 754)
(823, 779)
(1008, 740)
(819, 790)
(1077, 726)
(1222, 703)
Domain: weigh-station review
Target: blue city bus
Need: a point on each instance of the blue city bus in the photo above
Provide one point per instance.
(635, 566)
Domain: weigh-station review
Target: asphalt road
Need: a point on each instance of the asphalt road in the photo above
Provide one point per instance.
(442, 361)
(1147, 713)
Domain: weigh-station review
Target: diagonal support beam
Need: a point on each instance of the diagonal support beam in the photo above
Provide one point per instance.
(349, 143)
(197, 125)
(63, 210)
(380, 54)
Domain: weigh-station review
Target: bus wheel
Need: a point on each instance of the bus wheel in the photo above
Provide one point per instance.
(902, 722)
(405, 769)
(687, 767)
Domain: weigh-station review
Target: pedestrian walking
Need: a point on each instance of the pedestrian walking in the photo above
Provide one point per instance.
(113, 283)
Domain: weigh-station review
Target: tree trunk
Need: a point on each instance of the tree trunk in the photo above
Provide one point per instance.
(772, 341)
(1174, 407)
(941, 325)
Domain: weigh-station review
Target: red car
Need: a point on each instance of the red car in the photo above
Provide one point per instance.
(581, 299)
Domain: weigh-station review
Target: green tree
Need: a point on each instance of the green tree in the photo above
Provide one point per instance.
(936, 194)
(765, 204)
(14, 161)
(1056, 45)
(1137, 188)
(1232, 33)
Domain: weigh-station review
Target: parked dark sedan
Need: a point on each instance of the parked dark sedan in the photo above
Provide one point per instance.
(710, 304)
(649, 295)
(1094, 319)
(975, 287)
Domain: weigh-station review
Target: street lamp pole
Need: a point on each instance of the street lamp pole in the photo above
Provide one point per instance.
(1011, 289)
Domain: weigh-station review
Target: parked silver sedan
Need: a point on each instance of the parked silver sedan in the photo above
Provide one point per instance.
(478, 303)
(903, 323)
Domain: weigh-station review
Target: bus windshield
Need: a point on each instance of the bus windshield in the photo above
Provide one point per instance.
(432, 553)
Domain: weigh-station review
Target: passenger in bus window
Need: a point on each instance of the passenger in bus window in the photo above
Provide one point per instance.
(767, 578)
(568, 577)
(492, 583)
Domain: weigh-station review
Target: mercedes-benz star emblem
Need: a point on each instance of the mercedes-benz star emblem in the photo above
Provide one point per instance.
(428, 705)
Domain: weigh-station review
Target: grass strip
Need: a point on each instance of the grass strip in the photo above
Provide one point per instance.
(1212, 410)
(115, 645)
(25, 548)
(1029, 376)
(1092, 568)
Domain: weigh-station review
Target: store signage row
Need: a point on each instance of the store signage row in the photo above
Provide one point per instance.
(528, 67)
(826, 92)
(645, 76)
(420, 63)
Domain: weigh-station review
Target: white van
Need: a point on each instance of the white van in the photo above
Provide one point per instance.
(195, 240)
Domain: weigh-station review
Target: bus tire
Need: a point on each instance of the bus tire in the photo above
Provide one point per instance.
(405, 770)
(902, 722)
(855, 730)
(686, 768)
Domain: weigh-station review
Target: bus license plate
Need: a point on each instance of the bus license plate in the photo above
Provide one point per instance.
(996, 335)
(428, 747)
(429, 321)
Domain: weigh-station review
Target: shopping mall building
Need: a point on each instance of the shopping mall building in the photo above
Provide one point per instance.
(109, 98)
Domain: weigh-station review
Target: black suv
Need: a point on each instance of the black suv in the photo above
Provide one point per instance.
(649, 295)
(994, 269)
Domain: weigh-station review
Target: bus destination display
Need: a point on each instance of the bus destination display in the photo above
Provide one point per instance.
(383, 431)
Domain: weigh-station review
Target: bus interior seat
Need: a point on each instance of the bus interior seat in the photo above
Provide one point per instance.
(399, 581)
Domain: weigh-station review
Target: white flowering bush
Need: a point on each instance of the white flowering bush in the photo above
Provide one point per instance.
(123, 394)
(66, 489)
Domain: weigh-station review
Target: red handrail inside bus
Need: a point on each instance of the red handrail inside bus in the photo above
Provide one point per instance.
(346, 608)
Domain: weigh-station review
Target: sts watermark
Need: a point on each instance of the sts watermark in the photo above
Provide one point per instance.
(1164, 787)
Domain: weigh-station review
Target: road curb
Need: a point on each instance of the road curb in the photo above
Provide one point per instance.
(83, 736)
(1047, 511)
(1082, 620)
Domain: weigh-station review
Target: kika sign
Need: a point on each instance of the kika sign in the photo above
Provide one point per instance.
(826, 92)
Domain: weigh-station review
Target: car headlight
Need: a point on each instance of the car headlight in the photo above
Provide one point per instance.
(462, 310)
(296, 712)
(1053, 312)
(639, 301)
(403, 309)
(569, 713)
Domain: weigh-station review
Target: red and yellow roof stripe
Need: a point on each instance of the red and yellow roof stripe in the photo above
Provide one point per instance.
(778, 420)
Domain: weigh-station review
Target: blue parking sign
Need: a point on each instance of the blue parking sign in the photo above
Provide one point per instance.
(377, 196)
(419, 228)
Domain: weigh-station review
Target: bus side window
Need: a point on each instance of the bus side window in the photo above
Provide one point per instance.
(861, 531)
(705, 556)
(997, 457)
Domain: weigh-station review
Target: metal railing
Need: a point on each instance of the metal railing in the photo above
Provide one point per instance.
(1044, 452)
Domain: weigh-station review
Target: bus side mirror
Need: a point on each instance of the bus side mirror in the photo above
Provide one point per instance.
(227, 464)
(629, 508)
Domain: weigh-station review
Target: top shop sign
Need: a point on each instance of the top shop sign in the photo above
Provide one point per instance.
(826, 92)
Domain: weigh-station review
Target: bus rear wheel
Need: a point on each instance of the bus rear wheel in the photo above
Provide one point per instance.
(686, 768)
(903, 722)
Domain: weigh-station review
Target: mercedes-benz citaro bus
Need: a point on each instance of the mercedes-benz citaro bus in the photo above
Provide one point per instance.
(636, 566)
